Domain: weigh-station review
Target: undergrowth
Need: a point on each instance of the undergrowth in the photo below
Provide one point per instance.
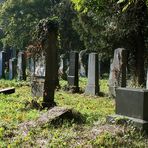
(94, 132)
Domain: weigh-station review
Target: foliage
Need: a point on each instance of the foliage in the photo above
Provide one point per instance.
(19, 18)
(93, 133)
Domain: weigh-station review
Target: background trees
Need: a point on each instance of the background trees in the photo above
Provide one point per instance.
(97, 25)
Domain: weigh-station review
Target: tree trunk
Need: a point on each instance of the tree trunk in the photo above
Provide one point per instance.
(51, 72)
(140, 49)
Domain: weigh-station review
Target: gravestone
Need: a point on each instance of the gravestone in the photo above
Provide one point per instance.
(40, 65)
(21, 66)
(2, 63)
(131, 105)
(38, 76)
(63, 67)
(83, 63)
(31, 66)
(117, 76)
(12, 68)
(73, 78)
(92, 87)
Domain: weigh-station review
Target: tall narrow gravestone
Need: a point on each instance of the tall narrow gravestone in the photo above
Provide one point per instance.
(92, 87)
(21, 66)
(12, 68)
(117, 77)
(73, 78)
(2, 64)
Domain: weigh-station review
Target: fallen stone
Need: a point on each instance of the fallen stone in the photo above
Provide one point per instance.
(52, 116)
(7, 90)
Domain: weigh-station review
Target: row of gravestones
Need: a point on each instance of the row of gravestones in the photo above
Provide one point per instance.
(14, 66)
(73, 76)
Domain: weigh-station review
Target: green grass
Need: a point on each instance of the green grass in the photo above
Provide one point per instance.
(94, 132)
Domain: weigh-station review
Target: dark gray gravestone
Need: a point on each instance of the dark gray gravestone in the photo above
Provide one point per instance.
(21, 66)
(73, 78)
(132, 104)
(12, 68)
(2, 64)
(117, 77)
(92, 87)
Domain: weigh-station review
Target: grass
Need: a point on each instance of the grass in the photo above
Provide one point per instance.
(94, 132)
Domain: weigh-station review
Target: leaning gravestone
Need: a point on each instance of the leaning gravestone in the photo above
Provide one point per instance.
(21, 66)
(12, 68)
(73, 78)
(92, 87)
(117, 77)
(2, 63)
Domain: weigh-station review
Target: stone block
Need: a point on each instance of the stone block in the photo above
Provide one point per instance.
(132, 102)
(131, 105)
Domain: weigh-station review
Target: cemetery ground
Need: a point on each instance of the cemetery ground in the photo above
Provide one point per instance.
(93, 131)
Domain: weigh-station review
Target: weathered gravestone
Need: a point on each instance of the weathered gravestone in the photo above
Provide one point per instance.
(73, 78)
(2, 63)
(38, 76)
(92, 87)
(21, 66)
(117, 77)
(12, 68)
(83, 64)
(131, 105)
(63, 66)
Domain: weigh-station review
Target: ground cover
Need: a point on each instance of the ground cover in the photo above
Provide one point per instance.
(93, 132)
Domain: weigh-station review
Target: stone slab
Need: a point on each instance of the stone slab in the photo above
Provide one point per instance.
(132, 102)
(53, 115)
(119, 119)
(7, 90)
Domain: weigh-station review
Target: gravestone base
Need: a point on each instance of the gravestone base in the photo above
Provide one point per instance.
(119, 119)
(48, 105)
(74, 89)
(112, 91)
(92, 90)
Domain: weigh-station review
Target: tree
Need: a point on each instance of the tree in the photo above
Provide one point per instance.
(19, 18)
(106, 25)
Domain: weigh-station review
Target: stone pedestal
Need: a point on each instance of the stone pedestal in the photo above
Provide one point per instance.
(21, 66)
(92, 87)
(12, 68)
(73, 78)
(2, 64)
(132, 104)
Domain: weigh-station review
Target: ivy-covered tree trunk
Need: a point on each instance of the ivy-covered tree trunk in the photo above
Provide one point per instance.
(51, 74)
